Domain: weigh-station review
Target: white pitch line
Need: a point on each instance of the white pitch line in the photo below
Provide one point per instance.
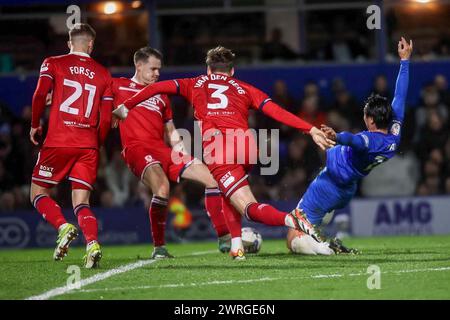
(178, 285)
(198, 253)
(99, 277)
(318, 276)
(225, 282)
(95, 278)
(422, 270)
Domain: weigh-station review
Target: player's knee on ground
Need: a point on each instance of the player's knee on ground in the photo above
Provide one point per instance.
(301, 243)
(298, 242)
(289, 237)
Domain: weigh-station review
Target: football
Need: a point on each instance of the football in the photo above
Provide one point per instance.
(251, 240)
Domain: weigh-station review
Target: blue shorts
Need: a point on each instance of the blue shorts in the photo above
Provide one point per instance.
(324, 195)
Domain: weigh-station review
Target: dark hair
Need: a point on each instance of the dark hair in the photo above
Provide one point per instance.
(220, 59)
(81, 29)
(379, 109)
(146, 52)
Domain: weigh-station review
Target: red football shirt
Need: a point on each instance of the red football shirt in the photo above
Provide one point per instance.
(220, 101)
(79, 85)
(145, 123)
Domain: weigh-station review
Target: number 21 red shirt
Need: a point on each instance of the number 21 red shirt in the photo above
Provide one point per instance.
(79, 86)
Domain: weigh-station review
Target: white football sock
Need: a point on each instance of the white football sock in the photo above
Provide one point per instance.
(289, 221)
(236, 244)
(62, 226)
(90, 244)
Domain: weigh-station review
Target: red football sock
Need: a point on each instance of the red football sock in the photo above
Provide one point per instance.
(232, 218)
(87, 222)
(158, 217)
(213, 205)
(264, 213)
(49, 210)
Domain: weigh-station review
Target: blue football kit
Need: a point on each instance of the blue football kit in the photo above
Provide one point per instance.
(353, 157)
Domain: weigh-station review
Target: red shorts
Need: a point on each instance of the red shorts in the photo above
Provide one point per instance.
(79, 165)
(139, 158)
(230, 177)
(229, 161)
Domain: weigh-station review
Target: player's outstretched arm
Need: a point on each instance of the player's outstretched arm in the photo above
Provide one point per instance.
(38, 105)
(162, 87)
(357, 142)
(401, 86)
(344, 138)
(276, 112)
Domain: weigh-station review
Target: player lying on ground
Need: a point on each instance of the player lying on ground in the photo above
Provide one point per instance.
(152, 160)
(222, 103)
(353, 157)
(80, 118)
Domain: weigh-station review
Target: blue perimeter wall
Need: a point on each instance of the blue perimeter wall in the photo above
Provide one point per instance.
(17, 91)
(365, 217)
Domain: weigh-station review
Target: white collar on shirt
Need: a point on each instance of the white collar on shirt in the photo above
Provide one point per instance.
(80, 54)
(136, 81)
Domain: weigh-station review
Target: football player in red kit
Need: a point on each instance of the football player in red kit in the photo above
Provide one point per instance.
(151, 159)
(222, 103)
(80, 118)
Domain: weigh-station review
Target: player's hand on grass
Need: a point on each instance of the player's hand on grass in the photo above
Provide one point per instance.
(33, 133)
(329, 132)
(321, 139)
(405, 49)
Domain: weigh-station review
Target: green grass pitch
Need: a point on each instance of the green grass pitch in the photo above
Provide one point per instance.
(411, 268)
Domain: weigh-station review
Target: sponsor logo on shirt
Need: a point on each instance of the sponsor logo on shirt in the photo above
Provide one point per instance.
(76, 124)
(221, 113)
(227, 179)
(395, 130)
(45, 171)
(153, 104)
(148, 158)
(44, 67)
